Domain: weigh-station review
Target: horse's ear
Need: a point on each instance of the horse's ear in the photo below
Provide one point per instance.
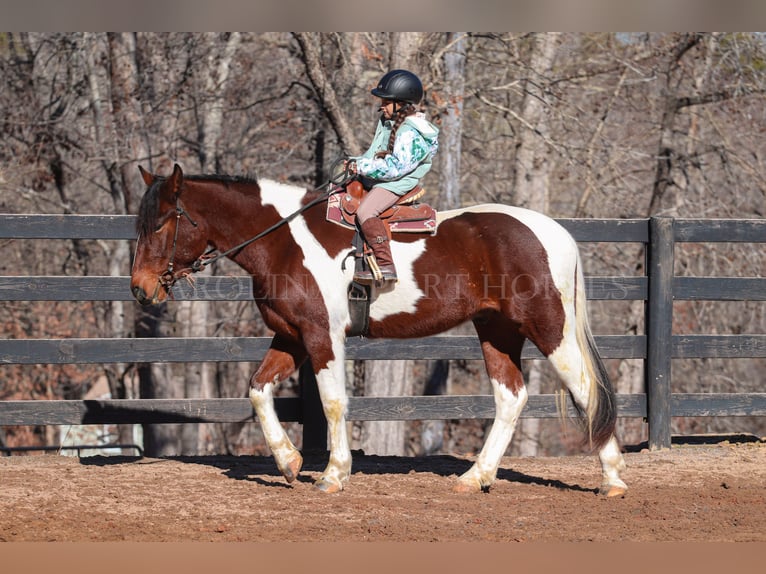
(148, 177)
(177, 179)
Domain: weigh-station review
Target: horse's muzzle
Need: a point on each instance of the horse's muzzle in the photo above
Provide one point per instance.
(140, 296)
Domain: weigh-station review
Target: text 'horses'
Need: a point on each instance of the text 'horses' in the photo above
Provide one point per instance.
(516, 274)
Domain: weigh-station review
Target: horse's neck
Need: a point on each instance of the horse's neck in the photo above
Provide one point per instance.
(230, 212)
(240, 213)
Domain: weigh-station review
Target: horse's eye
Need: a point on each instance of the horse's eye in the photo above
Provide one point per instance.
(160, 224)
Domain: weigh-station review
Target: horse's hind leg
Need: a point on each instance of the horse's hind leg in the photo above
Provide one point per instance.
(280, 361)
(612, 463)
(502, 356)
(571, 363)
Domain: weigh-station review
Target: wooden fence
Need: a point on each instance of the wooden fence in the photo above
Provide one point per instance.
(658, 346)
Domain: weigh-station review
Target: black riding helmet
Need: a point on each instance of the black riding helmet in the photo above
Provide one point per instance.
(400, 85)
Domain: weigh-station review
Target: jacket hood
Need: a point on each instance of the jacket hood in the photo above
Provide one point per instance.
(426, 128)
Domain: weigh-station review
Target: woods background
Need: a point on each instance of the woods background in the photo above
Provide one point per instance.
(609, 125)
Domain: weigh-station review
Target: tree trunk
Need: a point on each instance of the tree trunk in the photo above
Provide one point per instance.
(195, 315)
(310, 44)
(532, 173)
(216, 74)
(450, 136)
(386, 379)
(118, 253)
(404, 46)
(390, 378)
(451, 133)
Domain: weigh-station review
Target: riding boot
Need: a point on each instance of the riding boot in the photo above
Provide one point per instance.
(374, 233)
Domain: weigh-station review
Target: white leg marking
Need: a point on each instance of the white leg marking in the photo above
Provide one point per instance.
(612, 463)
(508, 408)
(281, 447)
(331, 381)
(332, 390)
(568, 362)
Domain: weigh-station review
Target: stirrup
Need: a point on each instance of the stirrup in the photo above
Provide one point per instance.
(388, 273)
(376, 274)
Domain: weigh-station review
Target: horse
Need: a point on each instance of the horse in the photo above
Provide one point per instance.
(516, 274)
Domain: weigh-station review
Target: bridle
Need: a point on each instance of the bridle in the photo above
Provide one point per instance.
(169, 277)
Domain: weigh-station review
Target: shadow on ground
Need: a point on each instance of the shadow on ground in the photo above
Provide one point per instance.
(256, 468)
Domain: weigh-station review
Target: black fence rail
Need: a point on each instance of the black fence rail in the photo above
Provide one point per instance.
(659, 288)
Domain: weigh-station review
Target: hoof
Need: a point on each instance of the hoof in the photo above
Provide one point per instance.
(465, 487)
(613, 490)
(292, 468)
(328, 485)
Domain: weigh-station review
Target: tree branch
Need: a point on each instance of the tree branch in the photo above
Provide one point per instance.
(326, 92)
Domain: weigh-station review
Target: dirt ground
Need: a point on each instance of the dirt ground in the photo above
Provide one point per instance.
(692, 492)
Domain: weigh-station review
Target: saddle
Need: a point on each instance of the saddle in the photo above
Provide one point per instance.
(406, 216)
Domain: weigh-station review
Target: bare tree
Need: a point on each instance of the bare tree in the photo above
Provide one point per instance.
(450, 136)
(195, 315)
(390, 378)
(621, 125)
(160, 82)
(310, 43)
(127, 119)
(532, 171)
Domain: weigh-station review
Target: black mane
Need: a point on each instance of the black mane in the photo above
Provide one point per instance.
(222, 178)
(148, 210)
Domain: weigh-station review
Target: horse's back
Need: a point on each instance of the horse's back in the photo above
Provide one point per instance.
(538, 222)
(558, 243)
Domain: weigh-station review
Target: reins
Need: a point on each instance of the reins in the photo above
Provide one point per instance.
(206, 259)
(340, 175)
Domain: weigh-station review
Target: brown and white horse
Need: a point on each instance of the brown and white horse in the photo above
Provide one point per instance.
(516, 274)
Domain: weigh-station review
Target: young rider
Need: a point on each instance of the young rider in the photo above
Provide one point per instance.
(399, 156)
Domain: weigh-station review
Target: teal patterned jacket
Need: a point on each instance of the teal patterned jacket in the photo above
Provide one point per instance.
(414, 148)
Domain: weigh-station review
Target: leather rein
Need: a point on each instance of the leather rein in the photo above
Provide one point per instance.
(170, 276)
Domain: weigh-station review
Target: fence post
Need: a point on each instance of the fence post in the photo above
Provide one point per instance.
(312, 415)
(659, 330)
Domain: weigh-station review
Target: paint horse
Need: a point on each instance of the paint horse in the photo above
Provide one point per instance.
(515, 273)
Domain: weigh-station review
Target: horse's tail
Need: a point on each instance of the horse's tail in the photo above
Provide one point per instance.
(600, 414)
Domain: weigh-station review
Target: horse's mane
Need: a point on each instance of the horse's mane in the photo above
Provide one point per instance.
(222, 178)
(148, 210)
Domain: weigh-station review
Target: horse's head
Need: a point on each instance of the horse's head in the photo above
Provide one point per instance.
(169, 238)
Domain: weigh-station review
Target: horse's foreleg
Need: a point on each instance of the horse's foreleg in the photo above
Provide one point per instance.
(288, 458)
(331, 382)
(277, 365)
